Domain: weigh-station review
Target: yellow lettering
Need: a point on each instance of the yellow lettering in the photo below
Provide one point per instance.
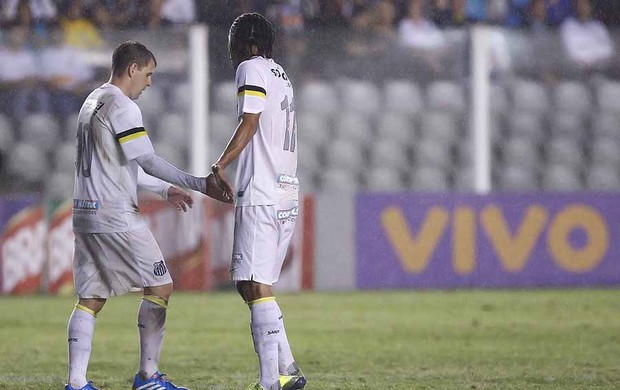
(414, 254)
(464, 240)
(588, 257)
(513, 251)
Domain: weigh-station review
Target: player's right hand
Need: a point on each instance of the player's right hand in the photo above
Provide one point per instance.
(216, 192)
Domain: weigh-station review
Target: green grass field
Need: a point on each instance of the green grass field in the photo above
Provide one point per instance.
(543, 339)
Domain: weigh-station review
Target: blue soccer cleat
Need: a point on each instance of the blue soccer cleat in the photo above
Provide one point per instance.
(157, 382)
(88, 386)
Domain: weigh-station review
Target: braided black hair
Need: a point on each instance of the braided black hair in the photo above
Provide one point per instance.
(252, 29)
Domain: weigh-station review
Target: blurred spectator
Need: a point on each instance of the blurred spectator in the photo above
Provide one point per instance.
(355, 8)
(537, 17)
(287, 15)
(586, 40)
(379, 18)
(111, 14)
(441, 12)
(558, 11)
(476, 10)
(449, 13)
(216, 13)
(65, 73)
(374, 34)
(330, 13)
(418, 32)
(497, 11)
(30, 13)
(79, 31)
(607, 11)
(518, 12)
(171, 12)
(18, 84)
(459, 12)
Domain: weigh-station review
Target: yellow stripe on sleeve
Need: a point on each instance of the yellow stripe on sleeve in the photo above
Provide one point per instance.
(132, 136)
(252, 93)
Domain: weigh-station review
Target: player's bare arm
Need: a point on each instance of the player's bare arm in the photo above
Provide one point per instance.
(243, 134)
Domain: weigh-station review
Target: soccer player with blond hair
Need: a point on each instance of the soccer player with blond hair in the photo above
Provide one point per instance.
(115, 252)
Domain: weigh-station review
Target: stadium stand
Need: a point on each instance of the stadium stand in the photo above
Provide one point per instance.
(41, 130)
(27, 164)
(397, 127)
(547, 117)
(602, 177)
(387, 153)
(560, 178)
(343, 154)
(383, 179)
(516, 178)
(429, 178)
(572, 97)
(446, 96)
(402, 97)
(338, 179)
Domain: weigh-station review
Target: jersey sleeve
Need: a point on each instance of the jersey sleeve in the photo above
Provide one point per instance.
(130, 132)
(251, 89)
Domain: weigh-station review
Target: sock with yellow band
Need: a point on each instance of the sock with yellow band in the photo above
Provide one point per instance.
(80, 331)
(265, 330)
(151, 326)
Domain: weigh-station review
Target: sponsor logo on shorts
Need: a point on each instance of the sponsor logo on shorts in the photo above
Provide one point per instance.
(236, 259)
(287, 181)
(270, 332)
(287, 215)
(73, 339)
(159, 268)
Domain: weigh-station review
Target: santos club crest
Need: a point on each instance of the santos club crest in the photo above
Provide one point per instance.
(159, 268)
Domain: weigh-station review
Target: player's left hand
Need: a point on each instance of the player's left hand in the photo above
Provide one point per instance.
(181, 199)
(222, 182)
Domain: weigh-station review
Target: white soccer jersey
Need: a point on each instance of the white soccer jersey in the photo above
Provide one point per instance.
(110, 136)
(266, 172)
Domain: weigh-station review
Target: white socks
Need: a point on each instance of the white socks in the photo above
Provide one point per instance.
(80, 331)
(270, 342)
(265, 334)
(151, 326)
(285, 356)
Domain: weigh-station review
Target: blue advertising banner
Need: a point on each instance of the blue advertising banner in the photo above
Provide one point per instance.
(500, 240)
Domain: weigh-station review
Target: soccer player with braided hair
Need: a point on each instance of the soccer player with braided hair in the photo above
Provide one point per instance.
(267, 192)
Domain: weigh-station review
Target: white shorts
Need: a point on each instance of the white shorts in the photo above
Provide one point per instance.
(112, 264)
(262, 237)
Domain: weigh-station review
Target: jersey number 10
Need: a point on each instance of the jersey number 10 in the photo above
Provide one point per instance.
(84, 150)
(290, 136)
